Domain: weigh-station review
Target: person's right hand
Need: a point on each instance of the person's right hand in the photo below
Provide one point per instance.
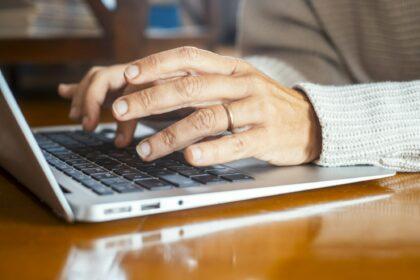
(99, 87)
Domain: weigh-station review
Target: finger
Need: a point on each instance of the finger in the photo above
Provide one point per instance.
(95, 93)
(125, 132)
(76, 103)
(67, 90)
(226, 149)
(185, 92)
(77, 99)
(181, 62)
(202, 123)
(197, 126)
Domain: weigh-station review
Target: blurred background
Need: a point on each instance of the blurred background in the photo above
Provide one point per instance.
(44, 42)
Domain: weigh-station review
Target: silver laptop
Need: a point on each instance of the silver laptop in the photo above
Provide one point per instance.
(82, 177)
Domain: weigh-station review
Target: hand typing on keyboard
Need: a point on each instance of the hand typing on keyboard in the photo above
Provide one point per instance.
(90, 159)
(267, 120)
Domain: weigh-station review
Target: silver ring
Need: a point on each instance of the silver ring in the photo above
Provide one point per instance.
(230, 118)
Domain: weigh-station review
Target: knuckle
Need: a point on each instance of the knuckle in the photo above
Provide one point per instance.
(246, 65)
(97, 75)
(168, 138)
(253, 83)
(189, 53)
(248, 81)
(189, 87)
(239, 144)
(94, 69)
(238, 65)
(204, 119)
(266, 105)
(152, 61)
(145, 99)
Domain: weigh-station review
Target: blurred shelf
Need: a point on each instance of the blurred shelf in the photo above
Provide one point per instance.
(125, 37)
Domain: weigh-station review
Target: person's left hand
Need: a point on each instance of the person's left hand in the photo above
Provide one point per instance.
(271, 122)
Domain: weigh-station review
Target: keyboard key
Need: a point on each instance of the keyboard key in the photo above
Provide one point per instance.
(154, 184)
(94, 155)
(137, 176)
(108, 161)
(179, 180)
(112, 166)
(79, 176)
(91, 171)
(101, 190)
(68, 156)
(127, 188)
(207, 179)
(222, 171)
(74, 162)
(191, 172)
(211, 167)
(101, 176)
(113, 181)
(180, 168)
(141, 166)
(85, 166)
(75, 174)
(160, 172)
(90, 183)
(125, 170)
(55, 149)
(61, 166)
(237, 177)
(97, 187)
(166, 162)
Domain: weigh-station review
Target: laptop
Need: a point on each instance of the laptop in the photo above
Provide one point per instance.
(82, 176)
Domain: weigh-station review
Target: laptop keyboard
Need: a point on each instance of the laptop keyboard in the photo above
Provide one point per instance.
(94, 161)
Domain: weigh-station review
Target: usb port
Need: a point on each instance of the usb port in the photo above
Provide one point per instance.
(150, 206)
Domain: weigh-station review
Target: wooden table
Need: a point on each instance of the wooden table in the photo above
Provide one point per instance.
(368, 230)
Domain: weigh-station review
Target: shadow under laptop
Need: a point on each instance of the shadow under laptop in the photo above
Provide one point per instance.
(242, 239)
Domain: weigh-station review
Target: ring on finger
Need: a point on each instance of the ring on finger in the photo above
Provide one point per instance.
(229, 115)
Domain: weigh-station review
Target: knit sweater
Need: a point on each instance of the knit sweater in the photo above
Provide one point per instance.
(357, 61)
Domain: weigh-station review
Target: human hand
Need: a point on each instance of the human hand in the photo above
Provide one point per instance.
(100, 86)
(270, 122)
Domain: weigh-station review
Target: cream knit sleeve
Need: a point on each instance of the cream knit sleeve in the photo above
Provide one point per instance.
(375, 124)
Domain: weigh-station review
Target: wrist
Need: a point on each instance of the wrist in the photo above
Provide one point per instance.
(314, 144)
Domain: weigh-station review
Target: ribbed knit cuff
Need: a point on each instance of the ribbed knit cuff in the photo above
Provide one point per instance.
(276, 69)
(375, 124)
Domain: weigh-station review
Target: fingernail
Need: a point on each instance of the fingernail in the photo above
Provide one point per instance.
(132, 71)
(121, 107)
(85, 121)
(143, 149)
(119, 140)
(196, 154)
(74, 113)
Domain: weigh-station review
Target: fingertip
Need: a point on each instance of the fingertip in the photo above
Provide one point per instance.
(131, 72)
(119, 108)
(88, 123)
(74, 113)
(121, 141)
(144, 150)
(62, 87)
(63, 90)
(194, 155)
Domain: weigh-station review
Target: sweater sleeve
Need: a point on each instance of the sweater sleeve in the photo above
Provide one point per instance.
(375, 124)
